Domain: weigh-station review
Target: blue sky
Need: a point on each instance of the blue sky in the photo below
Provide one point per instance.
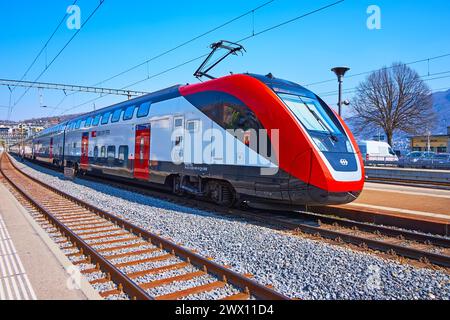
(125, 33)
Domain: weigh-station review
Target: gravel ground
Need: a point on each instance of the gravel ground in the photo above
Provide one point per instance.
(299, 268)
(138, 257)
(165, 275)
(150, 265)
(144, 246)
(180, 285)
(214, 295)
(98, 231)
(109, 238)
(116, 244)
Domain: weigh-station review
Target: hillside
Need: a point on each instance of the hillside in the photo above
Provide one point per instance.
(45, 122)
(441, 104)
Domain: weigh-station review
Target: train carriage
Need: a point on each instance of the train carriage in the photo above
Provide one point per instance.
(179, 138)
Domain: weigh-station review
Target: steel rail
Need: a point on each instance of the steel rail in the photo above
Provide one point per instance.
(266, 217)
(129, 287)
(247, 285)
(269, 218)
(410, 182)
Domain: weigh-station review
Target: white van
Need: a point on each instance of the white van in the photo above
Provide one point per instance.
(376, 152)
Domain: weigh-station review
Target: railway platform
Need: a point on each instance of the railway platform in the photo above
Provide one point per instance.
(416, 175)
(416, 208)
(31, 266)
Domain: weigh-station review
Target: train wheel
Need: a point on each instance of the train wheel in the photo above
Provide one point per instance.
(221, 194)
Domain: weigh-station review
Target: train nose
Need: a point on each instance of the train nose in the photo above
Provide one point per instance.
(322, 197)
(314, 188)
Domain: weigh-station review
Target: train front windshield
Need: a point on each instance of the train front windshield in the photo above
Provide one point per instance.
(311, 113)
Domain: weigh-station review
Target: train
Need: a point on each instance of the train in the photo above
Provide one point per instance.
(307, 156)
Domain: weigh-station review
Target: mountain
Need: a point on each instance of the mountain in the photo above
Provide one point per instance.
(45, 122)
(441, 104)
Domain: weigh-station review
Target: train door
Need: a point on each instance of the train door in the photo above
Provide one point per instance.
(51, 150)
(84, 162)
(142, 152)
(178, 143)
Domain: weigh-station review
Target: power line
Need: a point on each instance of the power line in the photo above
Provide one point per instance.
(178, 46)
(135, 83)
(242, 40)
(46, 44)
(187, 42)
(204, 55)
(369, 72)
(60, 52)
(354, 89)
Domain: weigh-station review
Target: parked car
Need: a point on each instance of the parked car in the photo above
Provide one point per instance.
(378, 153)
(437, 161)
(424, 160)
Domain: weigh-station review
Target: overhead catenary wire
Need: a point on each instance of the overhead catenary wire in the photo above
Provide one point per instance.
(354, 89)
(187, 42)
(371, 71)
(254, 34)
(181, 45)
(61, 50)
(45, 45)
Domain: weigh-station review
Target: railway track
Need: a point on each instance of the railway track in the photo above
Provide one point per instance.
(123, 259)
(411, 183)
(398, 243)
(425, 248)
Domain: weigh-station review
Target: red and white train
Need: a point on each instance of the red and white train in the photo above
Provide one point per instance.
(317, 160)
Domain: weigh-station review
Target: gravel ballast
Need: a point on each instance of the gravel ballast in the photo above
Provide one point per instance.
(297, 267)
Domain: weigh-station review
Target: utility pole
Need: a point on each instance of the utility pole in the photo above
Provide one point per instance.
(340, 73)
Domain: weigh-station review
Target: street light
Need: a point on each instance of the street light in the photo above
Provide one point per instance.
(340, 73)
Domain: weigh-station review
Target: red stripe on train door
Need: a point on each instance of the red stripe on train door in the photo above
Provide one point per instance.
(84, 161)
(142, 152)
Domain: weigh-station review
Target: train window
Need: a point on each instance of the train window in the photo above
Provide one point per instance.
(226, 110)
(74, 145)
(144, 110)
(78, 124)
(116, 115)
(192, 126)
(310, 113)
(96, 120)
(96, 153)
(88, 122)
(105, 118)
(111, 152)
(123, 153)
(178, 122)
(103, 152)
(129, 112)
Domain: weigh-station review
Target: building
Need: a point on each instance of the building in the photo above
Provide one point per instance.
(4, 130)
(33, 130)
(434, 143)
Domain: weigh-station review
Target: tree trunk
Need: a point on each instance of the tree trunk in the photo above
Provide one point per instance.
(389, 137)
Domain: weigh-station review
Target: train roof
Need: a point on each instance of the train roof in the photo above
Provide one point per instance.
(283, 86)
(157, 96)
(278, 85)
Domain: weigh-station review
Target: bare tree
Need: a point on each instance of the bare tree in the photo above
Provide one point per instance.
(394, 99)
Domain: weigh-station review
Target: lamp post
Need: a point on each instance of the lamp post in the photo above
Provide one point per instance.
(340, 73)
